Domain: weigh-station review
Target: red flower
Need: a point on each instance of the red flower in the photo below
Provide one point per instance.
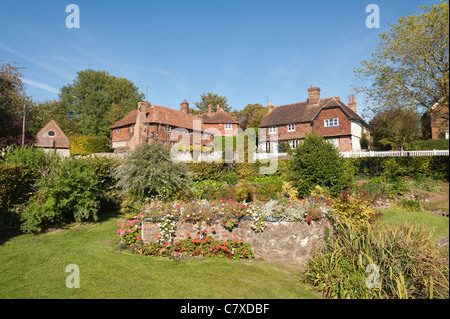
(234, 235)
(245, 252)
(207, 239)
(236, 241)
(196, 234)
(241, 240)
(178, 206)
(310, 219)
(187, 234)
(166, 244)
(243, 206)
(226, 235)
(225, 243)
(156, 235)
(218, 246)
(213, 228)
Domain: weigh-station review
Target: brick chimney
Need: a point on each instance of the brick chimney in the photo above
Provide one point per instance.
(209, 108)
(352, 104)
(270, 107)
(185, 107)
(313, 95)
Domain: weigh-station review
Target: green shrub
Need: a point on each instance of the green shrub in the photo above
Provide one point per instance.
(317, 162)
(230, 178)
(354, 208)
(70, 191)
(402, 257)
(36, 159)
(15, 185)
(438, 144)
(270, 186)
(85, 145)
(408, 205)
(149, 172)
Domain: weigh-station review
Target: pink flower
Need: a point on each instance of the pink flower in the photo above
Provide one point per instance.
(310, 219)
(243, 206)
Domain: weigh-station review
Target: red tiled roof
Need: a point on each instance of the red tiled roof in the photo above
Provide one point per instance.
(302, 112)
(173, 117)
(219, 117)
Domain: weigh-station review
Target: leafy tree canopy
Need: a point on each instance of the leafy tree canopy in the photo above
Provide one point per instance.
(212, 99)
(410, 66)
(96, 100)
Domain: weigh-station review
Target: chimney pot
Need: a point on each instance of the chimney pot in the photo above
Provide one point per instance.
(352, 104)
(313, 95)
(185, 107)
(209, 108)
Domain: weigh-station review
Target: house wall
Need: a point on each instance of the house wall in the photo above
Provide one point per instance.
(344, 127)
(216, 128)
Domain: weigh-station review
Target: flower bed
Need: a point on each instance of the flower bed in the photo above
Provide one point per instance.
(287, 230)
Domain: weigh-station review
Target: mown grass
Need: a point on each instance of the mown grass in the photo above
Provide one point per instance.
(34, 266)
(436, 223)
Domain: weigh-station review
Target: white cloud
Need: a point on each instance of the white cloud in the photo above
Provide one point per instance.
(40, 85)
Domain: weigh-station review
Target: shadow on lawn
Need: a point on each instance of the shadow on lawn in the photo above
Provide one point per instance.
(7, 232)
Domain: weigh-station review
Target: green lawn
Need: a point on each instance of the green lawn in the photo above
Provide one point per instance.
(436, 223)
(33, 266)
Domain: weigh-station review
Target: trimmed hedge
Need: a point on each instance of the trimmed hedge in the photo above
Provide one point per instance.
(85, 145)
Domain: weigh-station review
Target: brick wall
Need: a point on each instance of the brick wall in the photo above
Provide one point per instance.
(344, 127)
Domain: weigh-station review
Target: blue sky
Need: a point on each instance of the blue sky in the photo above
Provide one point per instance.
(248, 51)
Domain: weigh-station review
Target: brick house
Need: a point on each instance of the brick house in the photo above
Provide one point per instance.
(439, 122)
(52, 139)
(154, 122)
(330, 117)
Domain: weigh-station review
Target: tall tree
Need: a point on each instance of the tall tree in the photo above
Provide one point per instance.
(12, 100)
(96, 100)
(212, 99)
(410, 66)
(251, 115)
(392, 128)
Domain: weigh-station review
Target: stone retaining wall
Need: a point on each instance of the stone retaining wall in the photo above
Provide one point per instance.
(285, 242)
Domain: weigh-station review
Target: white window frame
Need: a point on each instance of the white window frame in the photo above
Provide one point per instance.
(117, 131)
(272, 129)
(168, 128)
(294, 143)
(291, 127)
(228, 126)
(331, 122)
(131, 129)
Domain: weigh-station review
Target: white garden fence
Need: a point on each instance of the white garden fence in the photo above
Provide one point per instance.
(394, 153)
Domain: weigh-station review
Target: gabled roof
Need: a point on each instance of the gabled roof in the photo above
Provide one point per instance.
(164, 115)
(58, 140)
(219, 117)
(168, 116)
(303, 112)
